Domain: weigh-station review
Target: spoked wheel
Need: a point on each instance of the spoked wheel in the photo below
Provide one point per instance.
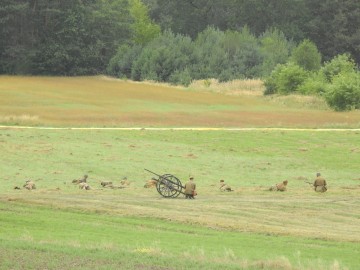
(169, 186)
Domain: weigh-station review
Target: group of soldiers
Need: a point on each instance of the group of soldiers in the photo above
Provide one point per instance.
(82, 183)
(190, 192)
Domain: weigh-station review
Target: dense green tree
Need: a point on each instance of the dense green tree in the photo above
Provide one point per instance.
(63, 37)
(14, 36)
(162, 57)
(333, 26)
(275, 49)
(307, 56)
(144, 30)
(121, 64)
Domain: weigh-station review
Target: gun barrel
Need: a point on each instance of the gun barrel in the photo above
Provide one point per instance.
(152, 172)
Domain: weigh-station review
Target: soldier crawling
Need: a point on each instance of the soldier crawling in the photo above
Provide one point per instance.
(30, 185)
(224, 187)
(279, 186)
(84, 186)
(107, 184)
(150, 183)
(82, 180)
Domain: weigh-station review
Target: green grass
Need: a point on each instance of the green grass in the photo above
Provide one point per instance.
(43, 237)
(135, 228)
(59, 226)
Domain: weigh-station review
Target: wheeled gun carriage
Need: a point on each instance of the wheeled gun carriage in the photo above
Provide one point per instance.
(168, 185)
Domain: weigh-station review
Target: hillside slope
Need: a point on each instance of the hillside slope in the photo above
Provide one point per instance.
(104, 102)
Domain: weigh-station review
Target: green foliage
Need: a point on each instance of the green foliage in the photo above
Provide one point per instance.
(162, 57)
(315, 84)
(275, 49)
(331, 25)
(226, 55)
(210, 58)
(62, 37)
(144, 29)
(307, 56)
(339, 64)
(344, 92)
(285, 79)
(181, 77)
(121, 64)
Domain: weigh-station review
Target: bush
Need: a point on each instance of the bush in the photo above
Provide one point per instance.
(121, 63)
(182, 77)
(315, 84)
(163, 56)
(344, 92)
(285, 79)
(270, 82)
(339, 64)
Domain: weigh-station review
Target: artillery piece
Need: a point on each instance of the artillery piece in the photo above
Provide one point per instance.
(168, 185)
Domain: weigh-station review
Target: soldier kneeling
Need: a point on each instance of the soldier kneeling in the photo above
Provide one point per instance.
(320, 184)
(224, 187)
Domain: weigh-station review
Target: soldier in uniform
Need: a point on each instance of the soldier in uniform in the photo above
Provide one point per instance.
(30, 185)
(125, 182)
(106, 184)
(84, 186)
(190, 188)
(279, 186)
(82, 180)
(150, 183)
(224, 187)
(320, 183)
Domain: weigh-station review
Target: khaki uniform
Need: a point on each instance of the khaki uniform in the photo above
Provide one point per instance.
(30, 185)
(320, 184)
(150, 183)
(84, 186)
(190, 188)
(82, 180)
(279, 186)
(107, 184)
(225, 187)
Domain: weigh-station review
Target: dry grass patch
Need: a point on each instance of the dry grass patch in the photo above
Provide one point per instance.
(236, 87)
(107, 102)
(299, 101)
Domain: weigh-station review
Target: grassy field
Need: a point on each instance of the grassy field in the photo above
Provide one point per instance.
(105, 102)
(59, 226)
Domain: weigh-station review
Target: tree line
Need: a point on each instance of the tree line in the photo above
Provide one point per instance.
(179, 41)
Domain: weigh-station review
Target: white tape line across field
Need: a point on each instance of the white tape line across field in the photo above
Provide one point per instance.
(181, 128)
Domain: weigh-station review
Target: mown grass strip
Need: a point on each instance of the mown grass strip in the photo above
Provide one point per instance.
(92, 239)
